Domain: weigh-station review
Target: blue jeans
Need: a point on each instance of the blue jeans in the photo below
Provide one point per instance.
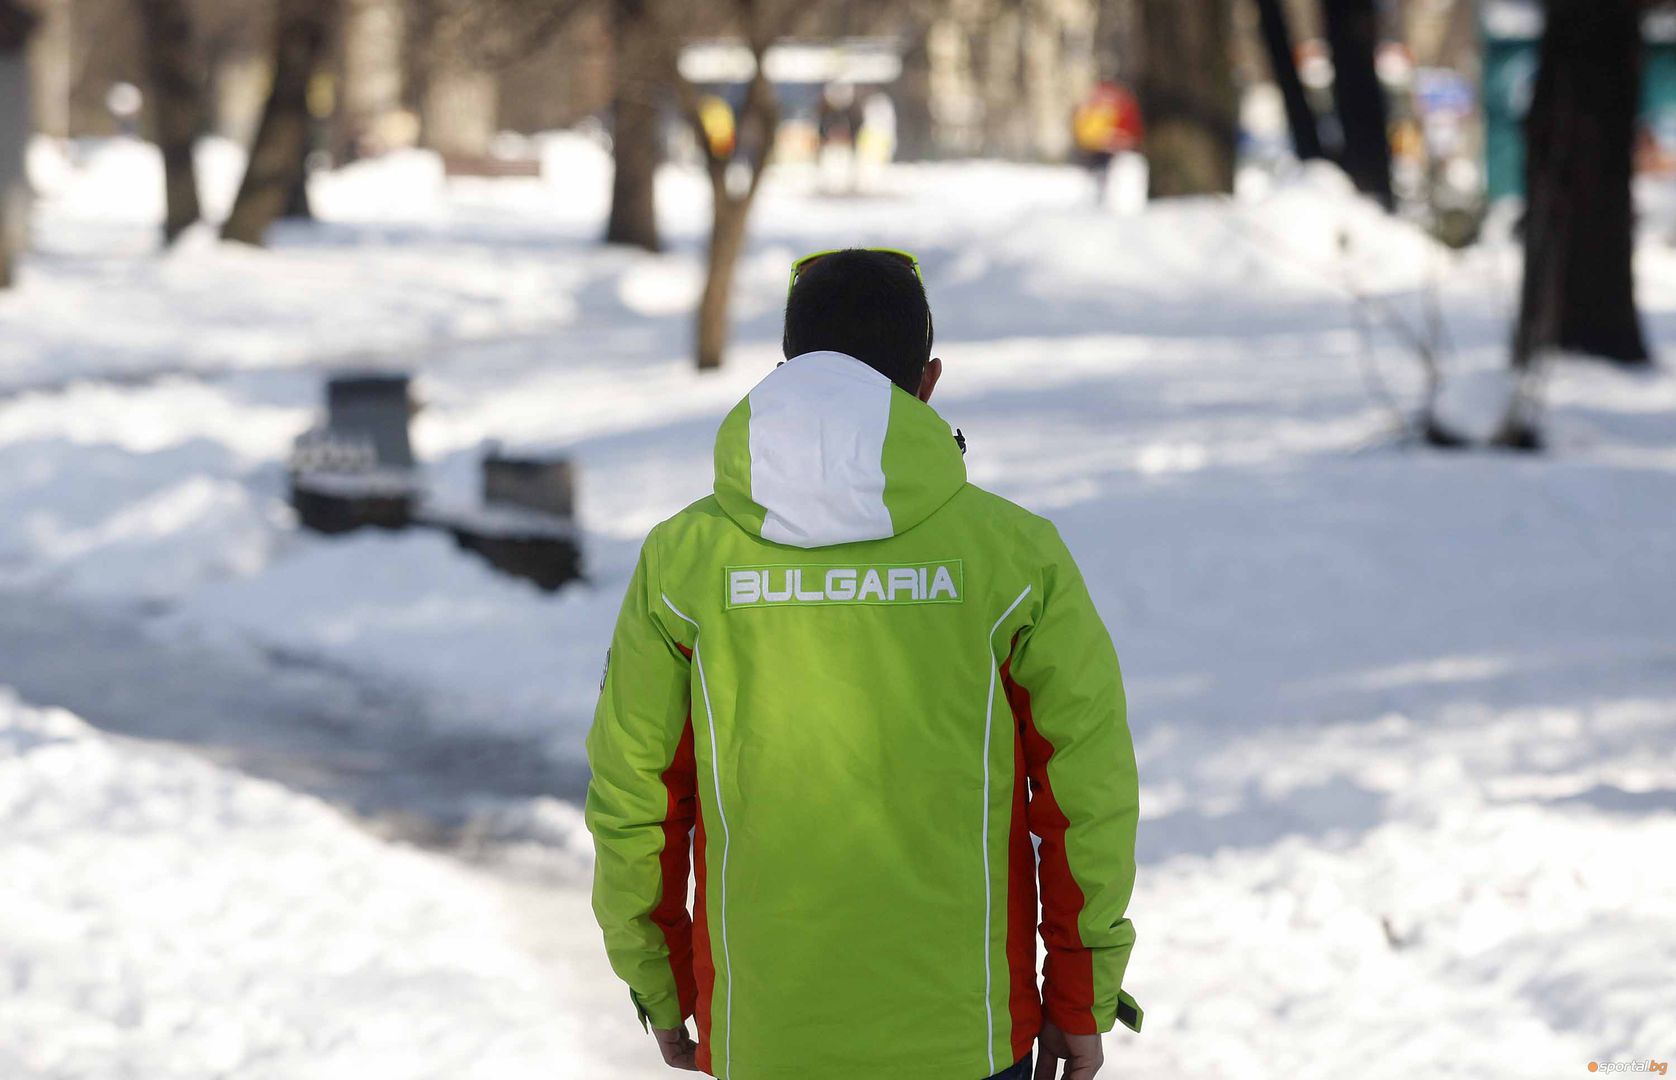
(1020, 1071)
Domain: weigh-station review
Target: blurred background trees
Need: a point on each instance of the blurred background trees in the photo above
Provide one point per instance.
(735, 154)
(640, 57)
(1579, 292)
(461, 52)
(177, 106)
(1353, 33)
(1281, 52)
(16, 25)
(1188, 96)
(275, 174)
(1422, 103)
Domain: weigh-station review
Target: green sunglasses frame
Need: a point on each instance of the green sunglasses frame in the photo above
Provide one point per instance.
(906, 256)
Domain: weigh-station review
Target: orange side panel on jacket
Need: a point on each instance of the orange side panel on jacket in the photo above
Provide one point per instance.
(1068, 977)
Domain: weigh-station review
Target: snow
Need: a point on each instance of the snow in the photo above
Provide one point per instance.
(162, 917)
(1404, 717)
(495, 651)
(1468, 894)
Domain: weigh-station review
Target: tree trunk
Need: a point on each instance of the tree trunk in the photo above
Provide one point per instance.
(1188, 96)
(999, 71)
(16, 23)
(278, 157)
(177, 108)
(371, 46)
(635, 150)
(459, 109)
(1352, 28)
(916, 137)
(727, 240)
(297, 206)
(1283, 64)
(53, 62)
(732, 191)
(1579, 285)
(1115, 34)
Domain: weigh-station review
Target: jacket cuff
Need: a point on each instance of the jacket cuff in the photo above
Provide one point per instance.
(1129, 1012)
(662, 1012)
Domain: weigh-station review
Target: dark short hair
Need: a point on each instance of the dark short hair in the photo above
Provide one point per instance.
(866, 304)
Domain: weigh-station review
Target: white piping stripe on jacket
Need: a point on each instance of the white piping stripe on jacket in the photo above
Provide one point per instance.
(988, 938)
(716, 777)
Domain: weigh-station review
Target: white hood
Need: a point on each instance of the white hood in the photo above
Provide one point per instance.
(826, 450)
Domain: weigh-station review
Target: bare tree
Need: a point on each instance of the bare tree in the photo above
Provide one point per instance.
(277, 169)
(638, 82)
(177, 107)
(1188, 96)
(915, 128)
(371, 47)
(234, 38)
(1579, 290)
(16, 24)
(1283, 65)
(735, 172)
(59, 59)
(1116, 38)
(1353, 35)
(1579, 283)
(457, 94)
(460, 47)
(488, 35)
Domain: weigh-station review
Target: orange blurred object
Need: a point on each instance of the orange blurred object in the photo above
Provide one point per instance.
(1109, 121)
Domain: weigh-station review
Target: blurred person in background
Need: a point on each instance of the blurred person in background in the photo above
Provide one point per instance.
(1106, 124)
(839, 120)
(845, 690)
(875, 144)
(715, 116)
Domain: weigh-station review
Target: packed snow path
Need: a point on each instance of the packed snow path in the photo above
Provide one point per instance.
(182, 880)
(331, 733)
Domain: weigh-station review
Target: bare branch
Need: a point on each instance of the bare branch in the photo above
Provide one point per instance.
(490, 34)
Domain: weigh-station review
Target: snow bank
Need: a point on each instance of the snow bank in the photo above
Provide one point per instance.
(141, 494)
(164, 918)
(398, 186)
(486, 650)
(1225, 266)
(1473, 894)
(121, 178)
(98, 302)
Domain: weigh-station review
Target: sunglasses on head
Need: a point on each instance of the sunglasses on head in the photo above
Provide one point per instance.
(904, 257)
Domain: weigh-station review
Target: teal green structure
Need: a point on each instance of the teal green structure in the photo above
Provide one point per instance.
(1512, 32)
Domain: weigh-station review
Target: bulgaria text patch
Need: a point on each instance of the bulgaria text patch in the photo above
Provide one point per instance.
(939, 582)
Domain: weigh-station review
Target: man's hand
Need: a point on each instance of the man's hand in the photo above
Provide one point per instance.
(679, 1051)
(1081, 1054)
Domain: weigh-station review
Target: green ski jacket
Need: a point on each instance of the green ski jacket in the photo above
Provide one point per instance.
(845, 691)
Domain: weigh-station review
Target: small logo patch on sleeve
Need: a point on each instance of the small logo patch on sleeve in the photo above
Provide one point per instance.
(779, 584)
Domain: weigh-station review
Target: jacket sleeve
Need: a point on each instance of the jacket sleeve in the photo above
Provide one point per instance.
(1066, 692)
(642, 802)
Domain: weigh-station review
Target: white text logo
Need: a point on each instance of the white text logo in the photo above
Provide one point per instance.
(922, 583)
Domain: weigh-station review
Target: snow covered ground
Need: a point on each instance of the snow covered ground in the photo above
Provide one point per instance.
(1405, 719)
(163, 918)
